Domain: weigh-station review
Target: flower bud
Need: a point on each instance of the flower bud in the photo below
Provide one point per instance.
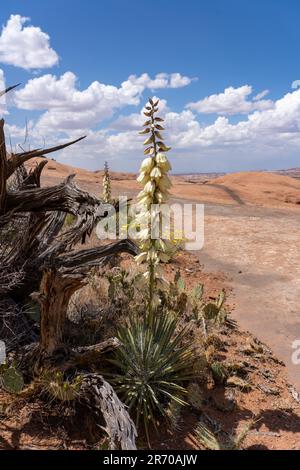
(141, 257)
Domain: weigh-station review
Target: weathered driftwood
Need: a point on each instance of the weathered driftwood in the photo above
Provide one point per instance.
(101, 397)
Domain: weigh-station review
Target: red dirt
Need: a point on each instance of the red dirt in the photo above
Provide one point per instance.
(31, 425)
(277, 415)
(247, 188)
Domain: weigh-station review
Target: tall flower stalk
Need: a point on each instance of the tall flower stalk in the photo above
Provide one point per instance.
(156, 183)
(106, 184)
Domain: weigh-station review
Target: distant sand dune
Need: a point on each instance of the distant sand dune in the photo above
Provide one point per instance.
(259, 188)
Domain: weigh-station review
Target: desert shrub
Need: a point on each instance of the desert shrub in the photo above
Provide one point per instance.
(123, 286)
(152, 366)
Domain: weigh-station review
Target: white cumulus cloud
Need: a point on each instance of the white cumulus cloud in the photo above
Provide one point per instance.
(66, 107)
(272, 133)
(27, 47)
(161, 80)
(231, 101)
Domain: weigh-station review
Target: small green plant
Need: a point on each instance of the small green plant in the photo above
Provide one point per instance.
(207, 314)
(207, 438)
(152, 367)
(175, 298)
(191, 302)
(219, 372)
(210, 441)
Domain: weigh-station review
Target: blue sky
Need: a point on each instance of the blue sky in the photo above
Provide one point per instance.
(230, 106)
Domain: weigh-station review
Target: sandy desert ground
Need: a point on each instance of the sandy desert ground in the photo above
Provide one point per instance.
(252, 226)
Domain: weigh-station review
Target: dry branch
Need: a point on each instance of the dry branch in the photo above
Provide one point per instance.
(3, 167)
(80, 260)
(18, 159)
(9, 89)
(85, 356)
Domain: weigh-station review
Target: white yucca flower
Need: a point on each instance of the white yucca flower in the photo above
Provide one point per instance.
(155, 173)
(149, 187)
(143, 178)
(147, 165)
(144, 234)
(143, 217)
(106, 184)
(161, 196)
(163, 162)
(156, 183)
(164, 183)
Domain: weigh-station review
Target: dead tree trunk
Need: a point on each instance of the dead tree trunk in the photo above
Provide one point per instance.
(59, 282)
(53, 297)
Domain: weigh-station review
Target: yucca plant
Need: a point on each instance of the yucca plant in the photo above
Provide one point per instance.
(152, 367)
(156, 184)
(106, 184)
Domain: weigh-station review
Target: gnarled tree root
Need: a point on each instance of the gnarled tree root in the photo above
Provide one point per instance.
(102, 399)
